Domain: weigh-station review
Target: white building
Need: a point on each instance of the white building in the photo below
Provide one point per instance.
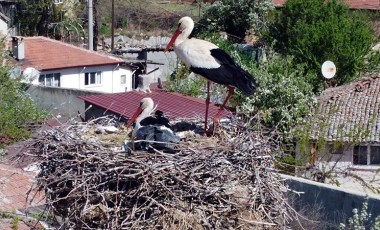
(63, 65)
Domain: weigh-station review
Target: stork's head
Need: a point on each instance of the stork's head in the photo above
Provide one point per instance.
(184, 29)
(144, 110)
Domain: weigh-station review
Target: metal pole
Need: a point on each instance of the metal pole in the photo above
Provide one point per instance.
(90, 26)
(113, 26)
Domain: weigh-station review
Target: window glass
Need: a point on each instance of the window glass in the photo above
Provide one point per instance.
(41, 79)
(375, 155)
(51, 79)
(123, 79)
(360, 155)
(92, 78)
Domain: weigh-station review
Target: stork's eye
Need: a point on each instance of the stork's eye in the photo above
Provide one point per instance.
(141, 103)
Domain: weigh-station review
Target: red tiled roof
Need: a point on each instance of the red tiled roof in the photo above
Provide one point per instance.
(349, 112)
(174, 105)
(353, 4)
(14, 186)
(47, 54)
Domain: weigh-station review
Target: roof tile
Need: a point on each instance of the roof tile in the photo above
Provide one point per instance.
(47, 54)
(349, 112)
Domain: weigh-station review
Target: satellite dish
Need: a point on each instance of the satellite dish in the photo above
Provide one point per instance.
(328, 69)
(30, 74)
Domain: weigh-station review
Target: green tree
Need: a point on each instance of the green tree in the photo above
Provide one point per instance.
(34, 16)
(17, 109)
(314, 31)
(235, 17)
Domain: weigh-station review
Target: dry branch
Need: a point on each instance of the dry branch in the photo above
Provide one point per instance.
(224, 183)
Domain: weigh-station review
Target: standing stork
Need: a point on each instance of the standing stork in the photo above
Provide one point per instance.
(211, 62)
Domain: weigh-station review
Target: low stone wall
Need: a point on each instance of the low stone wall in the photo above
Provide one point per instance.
(59, 100)
(337, 203)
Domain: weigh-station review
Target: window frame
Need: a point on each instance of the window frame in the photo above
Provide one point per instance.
(95, 77)
(370, 149)
(123, 79)
(51, 78)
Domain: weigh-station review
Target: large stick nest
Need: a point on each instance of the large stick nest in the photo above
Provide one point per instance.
(210, 183)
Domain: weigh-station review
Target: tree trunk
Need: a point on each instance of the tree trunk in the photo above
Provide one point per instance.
(42, 25)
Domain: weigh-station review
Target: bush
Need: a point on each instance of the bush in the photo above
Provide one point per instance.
(360, 219)
(235, 17)
(16, 107)
(315, 31)
(284, 96)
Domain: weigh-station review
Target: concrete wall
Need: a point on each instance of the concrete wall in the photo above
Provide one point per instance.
(73, 78)
(59, 100)
(96, 111)
(337, 202)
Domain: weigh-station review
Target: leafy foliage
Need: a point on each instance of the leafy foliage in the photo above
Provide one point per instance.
(16, 107)
(235, 17)
(315, 31)
(284, 96)
(360, 219)
(34, 18)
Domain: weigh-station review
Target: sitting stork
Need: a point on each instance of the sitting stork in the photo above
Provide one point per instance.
(152, 131)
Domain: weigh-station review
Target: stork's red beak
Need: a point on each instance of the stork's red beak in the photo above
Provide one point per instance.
(134, 116)
(170, 44)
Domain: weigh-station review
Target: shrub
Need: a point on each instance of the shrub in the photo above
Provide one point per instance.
(16, 107)
(315, 31)
(284, 96)
(360, 220)
(235, 17)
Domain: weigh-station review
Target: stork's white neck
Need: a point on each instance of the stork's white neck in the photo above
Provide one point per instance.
(145, 113)
(186, 27)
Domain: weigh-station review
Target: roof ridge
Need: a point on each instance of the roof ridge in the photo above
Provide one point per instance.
(75, 47)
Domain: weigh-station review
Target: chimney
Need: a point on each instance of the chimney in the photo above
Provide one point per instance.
(18, 48)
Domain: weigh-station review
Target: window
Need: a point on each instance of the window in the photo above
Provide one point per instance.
(375, 155)
(123, 79)
(93, 78)
(51, 79)
(366, 155)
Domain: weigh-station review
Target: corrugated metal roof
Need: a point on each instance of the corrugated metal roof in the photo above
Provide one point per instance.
(349, 113)
(174, 105)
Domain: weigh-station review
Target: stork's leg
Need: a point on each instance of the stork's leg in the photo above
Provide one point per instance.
(231, 91)
(207, 104)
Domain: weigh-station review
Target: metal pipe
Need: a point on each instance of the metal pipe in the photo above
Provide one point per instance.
(90, 26)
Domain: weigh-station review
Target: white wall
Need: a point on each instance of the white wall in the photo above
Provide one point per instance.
(3, 28)
(74, 78)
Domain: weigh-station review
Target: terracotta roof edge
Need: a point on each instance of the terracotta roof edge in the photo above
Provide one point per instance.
(75, 47)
